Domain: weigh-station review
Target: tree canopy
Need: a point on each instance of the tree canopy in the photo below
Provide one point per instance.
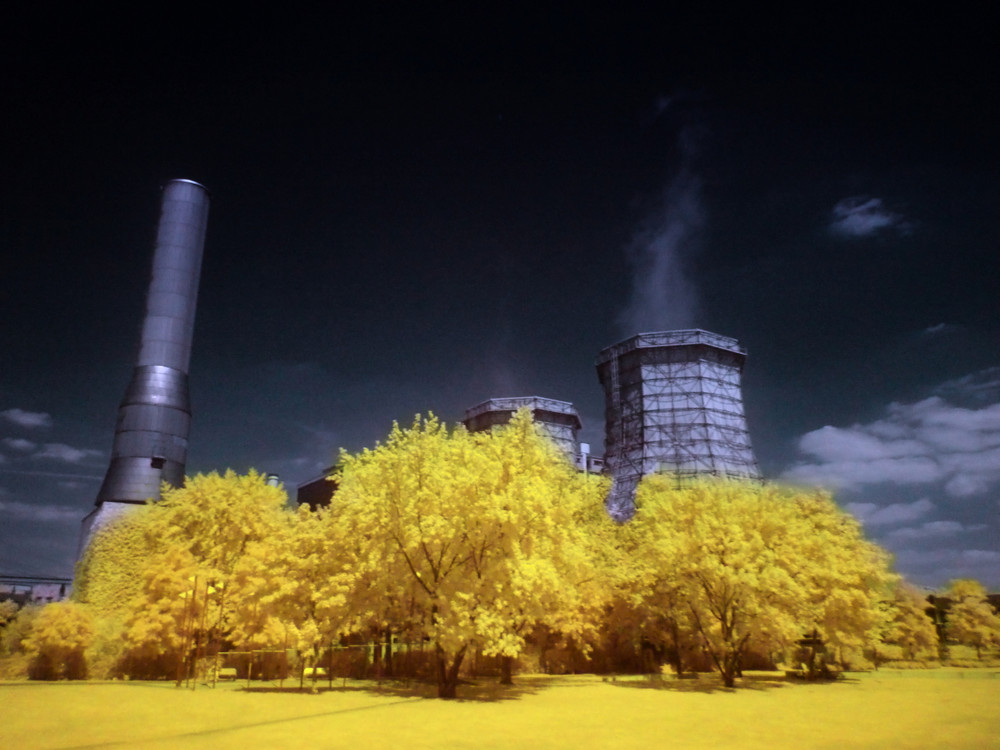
(482, 542)
(471, 539)
(971, 619)
(745, 566)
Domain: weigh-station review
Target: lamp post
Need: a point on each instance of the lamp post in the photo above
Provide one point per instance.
(203, 634)
(188, 596)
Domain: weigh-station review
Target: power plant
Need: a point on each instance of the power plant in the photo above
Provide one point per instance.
(154, 418)
(673, 401)
(673, 404)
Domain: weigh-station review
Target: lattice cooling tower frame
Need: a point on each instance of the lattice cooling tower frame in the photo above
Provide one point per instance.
(559, 418)
(673, 404)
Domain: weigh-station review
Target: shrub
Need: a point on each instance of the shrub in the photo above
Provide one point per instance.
(58, 640)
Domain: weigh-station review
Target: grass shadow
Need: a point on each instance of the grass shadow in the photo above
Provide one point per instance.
(480, 691)
(712, 683)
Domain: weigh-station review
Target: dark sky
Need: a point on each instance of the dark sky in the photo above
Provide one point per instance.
(417, 211)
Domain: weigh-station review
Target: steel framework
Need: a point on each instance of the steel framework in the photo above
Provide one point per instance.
(559, 418)
(673, 404)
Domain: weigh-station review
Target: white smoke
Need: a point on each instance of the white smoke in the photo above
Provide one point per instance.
(864, 216)
(664, 297)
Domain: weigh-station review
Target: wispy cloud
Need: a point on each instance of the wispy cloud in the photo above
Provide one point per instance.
(54, 474)
(938, 565)
(28, 419)
(29, 512)
(981, 387)
(863, 216)
(931, 441)
(67, 453)
(940, 329)
(934, 529)
(895, 513)
(19, 444)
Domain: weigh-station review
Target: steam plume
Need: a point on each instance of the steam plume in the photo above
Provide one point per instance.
(663, 295)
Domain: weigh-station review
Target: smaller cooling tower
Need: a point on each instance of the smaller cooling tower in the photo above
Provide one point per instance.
(673, 404)
(558, 418)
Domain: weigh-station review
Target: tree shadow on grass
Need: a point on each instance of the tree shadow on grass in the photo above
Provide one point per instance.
(480, 691)
(712, 683)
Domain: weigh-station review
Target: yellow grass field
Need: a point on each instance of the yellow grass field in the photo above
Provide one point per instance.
(887, 709)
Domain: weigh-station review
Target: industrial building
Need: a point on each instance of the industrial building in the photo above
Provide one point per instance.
(673, 401)
(558, 418)
(673, 404)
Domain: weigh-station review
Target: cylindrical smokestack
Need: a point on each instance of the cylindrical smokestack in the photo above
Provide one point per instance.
(154, 418)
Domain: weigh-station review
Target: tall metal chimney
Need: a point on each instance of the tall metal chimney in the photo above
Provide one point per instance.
(673, 404)
(154, 417)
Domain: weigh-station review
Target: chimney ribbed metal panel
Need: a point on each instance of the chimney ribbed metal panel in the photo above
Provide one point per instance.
(154, 418)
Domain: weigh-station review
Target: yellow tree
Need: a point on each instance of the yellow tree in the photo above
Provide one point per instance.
(718, 550)
(848, 578)
(198, 534)
(649, 610)
(59, 638)
(754, 566)
(909, 627)
(971, 619)
(477, 535)
(290, 589)
(163, 614)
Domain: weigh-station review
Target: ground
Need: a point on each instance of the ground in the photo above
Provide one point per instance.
(951, 708)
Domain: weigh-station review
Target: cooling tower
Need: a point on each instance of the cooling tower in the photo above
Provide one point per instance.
(151, 436)
(673, 404)
(558, 418)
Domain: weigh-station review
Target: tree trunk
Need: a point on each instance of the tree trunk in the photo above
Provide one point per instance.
(675, 656)
(506, 663)
(730, 661)
(448, 673)
(377, 667)
(388, 652)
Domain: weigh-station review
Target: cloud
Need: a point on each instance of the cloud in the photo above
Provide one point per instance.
(978, 388)
(930, 441)
(975, 556)
(940, 329)
(936, 566)
(933, 529)
(862, 216)
(29, 419)
(872, 515)
(19, 444)
(27, 512)
(56, 474)
(67, 453)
